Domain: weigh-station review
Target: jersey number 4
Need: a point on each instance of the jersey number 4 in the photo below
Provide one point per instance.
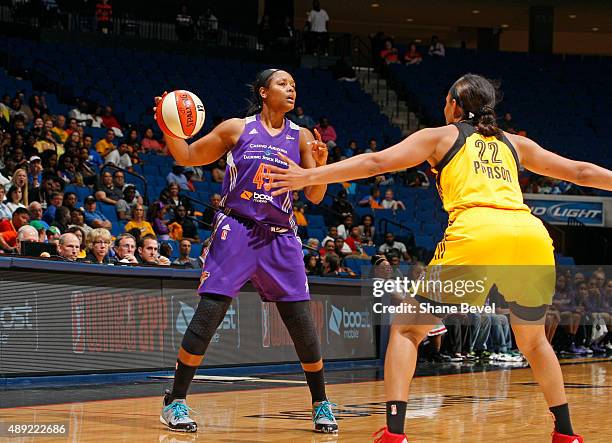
(260, 178)
(492, 146)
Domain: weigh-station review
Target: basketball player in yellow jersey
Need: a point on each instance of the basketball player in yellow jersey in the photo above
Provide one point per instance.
(477, 176)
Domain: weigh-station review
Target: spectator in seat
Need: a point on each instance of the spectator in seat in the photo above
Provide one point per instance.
(301, 119)
(389, 53)
(94, 158)
(68, 171)
(390, 203)
(125, 248)
(436, 48)
(59, 129)
(20, 180)
(69, 247)
(81, 114)
(209, 212)
(150, 143)
(172, 199)
(25, 233)
(53, 234)
(77, 221)
(190, 231)
(345, 228)
(93, 217)
(5, 211)
(391, 244)
(70, 200)
(332, 234)
(329, 246)
(119, 157)
(156, 214)
(367, 230)
(177, 176)
(341, 248)
(62, 218)
(35, 170)
(110, 121)
(14, 199)
(73, 126)
(218, 172)
(106, 191)
(106, 145)
(341, 204)
(327, 132)
(354, 242)
(313, 247)
(184, 259)
(138, 222)
(41, 227)
(125, 205)
(312, 263)
(9, 228)
(372, 200)
(412, 56)
(98, 246)
(148, 251)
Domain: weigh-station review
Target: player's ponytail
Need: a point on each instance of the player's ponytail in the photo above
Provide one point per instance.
(262, 80)
(477, 98)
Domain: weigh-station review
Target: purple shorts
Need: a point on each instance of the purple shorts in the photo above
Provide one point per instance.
(241, 250)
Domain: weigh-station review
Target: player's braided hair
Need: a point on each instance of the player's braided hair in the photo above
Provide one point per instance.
(261, 81)
(477, 97)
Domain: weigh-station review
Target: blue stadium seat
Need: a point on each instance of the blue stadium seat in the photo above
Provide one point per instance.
(196, 250)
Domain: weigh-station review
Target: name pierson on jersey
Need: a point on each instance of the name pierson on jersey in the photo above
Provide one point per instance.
(493, 172)
(264, 152)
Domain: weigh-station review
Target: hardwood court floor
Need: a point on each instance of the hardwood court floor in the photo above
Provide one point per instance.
(473, 407)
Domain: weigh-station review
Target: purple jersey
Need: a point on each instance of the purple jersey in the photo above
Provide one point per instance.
(243, 186)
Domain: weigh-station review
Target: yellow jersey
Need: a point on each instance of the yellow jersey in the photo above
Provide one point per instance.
(479, 171)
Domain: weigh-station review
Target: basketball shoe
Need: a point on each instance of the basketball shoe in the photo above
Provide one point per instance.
(561, 438)
(175, 415)
(323, 417)
(384, 436)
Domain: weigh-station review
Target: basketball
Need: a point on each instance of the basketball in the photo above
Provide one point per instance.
(180, 114)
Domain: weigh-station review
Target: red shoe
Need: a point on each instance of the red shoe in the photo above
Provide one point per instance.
(387, 437)
(562, 438)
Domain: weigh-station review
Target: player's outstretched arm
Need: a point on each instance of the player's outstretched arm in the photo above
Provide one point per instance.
(410, 152)
(207, 149)
(543, 162)
(313, 154)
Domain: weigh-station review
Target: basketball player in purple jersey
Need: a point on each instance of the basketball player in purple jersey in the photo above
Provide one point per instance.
(253, 238)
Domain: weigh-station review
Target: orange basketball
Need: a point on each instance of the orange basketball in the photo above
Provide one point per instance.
(180, 114)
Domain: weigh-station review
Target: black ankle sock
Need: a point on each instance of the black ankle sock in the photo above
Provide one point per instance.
(316, 384)
(182, 380)
(396, 415)
(563, 424)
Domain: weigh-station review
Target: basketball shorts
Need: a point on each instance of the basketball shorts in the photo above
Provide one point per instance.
(241, 250)
(483, 247)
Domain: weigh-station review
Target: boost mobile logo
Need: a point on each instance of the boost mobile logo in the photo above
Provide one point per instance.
(349, 321)
(262, 198)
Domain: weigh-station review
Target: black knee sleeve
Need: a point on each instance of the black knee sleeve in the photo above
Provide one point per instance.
(299, 322)
(208, 316)
(527, 313)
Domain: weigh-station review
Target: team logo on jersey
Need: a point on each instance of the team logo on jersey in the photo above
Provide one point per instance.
(253, 131)
(246, 195)
(224, 230)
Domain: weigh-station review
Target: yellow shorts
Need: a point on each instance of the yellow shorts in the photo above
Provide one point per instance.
(488, 246)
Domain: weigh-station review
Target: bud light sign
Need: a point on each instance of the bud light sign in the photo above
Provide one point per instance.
(557, 212)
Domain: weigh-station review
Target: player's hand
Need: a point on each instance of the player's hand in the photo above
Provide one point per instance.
(286, 179)
(319, 149)
(157, 100)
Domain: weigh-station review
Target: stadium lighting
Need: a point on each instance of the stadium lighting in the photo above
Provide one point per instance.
(594, 29)
(375, 5)
(572, 16)
(409, 20)
(504, 25)
(476, 11)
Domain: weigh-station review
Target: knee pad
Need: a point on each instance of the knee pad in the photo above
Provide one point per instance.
(207, 317)
(300, 324)
(528, 313)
